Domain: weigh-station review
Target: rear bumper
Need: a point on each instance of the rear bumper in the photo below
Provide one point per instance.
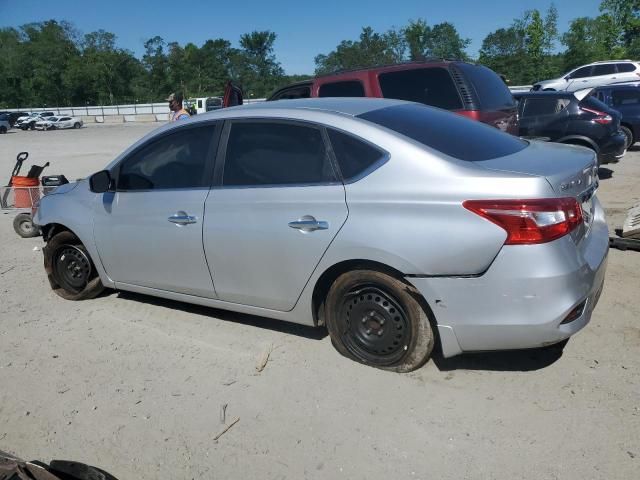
(612, 150)
(524, 297)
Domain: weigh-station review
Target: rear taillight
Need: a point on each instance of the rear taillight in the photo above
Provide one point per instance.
(530, 221)
(602, 118)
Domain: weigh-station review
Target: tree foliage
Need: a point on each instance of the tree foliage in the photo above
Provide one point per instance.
(52, 64)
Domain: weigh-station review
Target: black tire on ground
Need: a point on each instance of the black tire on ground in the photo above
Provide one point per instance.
(3, 129)
(376, 319)
(23, 225)
(32, 126)
(71, 272)
(629, 134)
(76, 125)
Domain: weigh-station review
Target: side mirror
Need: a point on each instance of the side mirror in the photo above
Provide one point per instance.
(100, 182)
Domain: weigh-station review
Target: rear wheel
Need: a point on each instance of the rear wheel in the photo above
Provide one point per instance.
(3, 129)
(377, 320)
(23, 226)
(629, 134)
(76, 125)
(71, 272)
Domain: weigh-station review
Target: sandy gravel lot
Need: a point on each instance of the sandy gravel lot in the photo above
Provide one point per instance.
(135, 384)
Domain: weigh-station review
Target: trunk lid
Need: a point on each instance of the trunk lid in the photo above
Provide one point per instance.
(571, 170)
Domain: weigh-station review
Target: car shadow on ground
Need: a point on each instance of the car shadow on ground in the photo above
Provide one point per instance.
(605, 173)
(504, 361)
(312, 333)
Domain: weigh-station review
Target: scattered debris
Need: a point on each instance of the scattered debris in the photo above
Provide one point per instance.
(54, 356)
(226, 383)
(264, 358)
(7, 270)
(138, 402)
(36, 248)
(65, 390)
(631, 454)
(27, 413)
(226, 429)
(223, 413)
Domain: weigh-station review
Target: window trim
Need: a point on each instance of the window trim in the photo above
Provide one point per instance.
(221, 157)
(209, 163)
(384, 156)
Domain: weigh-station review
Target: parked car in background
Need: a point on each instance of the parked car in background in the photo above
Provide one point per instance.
(26, 123)
(58, 123)
(13, 117)
(626, 100)
(592, 75)
(574, 118)
(355, 214)
(4, 123)
(474, 91)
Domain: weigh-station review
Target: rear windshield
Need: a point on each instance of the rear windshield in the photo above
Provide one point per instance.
(431, 86)
(592, 102)
(491, 91)
(448, 133)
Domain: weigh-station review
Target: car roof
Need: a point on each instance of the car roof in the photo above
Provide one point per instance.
(339, 105)
(544, 94)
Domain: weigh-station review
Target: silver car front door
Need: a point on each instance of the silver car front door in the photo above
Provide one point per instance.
(276, 208)
(149, 231)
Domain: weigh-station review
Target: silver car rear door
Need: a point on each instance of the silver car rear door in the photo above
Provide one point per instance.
(276, 207)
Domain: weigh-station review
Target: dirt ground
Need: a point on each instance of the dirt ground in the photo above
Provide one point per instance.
(135, 384)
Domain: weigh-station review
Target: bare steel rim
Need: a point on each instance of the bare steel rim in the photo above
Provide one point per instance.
(71, 268)
(374, 326)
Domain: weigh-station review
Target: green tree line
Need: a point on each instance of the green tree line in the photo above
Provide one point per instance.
(52, 63)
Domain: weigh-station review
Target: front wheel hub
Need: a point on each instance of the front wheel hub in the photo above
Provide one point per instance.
(72, 268)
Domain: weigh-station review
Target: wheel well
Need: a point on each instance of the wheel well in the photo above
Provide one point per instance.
(51, 229)
(633, 137)
(325, 281)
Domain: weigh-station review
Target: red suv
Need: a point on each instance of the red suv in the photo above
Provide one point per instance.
(474, 91)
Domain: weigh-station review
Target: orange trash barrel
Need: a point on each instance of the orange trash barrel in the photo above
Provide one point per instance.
(27, 196)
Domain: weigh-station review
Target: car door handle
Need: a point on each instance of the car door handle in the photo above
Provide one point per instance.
(309, 224)
(181, 218)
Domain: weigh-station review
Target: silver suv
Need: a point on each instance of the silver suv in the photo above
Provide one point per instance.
(394, 224)
(593, 75)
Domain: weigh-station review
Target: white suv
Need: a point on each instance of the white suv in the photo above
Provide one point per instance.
(593, 75)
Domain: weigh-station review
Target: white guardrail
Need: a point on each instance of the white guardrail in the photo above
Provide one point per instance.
(108, 110)
(520, 88)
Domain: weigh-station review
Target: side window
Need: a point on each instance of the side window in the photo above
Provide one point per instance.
(354, 156)
(625, 67)
(303, 91)
(542, 106)
(199, 103)
(351, 88)
(177, 160)
(626, 97)
(431, 86)
(606, 69)
(266, 153)
(581, 73)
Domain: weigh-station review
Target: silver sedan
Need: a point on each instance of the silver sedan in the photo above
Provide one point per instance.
(393, 224)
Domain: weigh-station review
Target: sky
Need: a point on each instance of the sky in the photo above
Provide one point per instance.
(304, 29)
